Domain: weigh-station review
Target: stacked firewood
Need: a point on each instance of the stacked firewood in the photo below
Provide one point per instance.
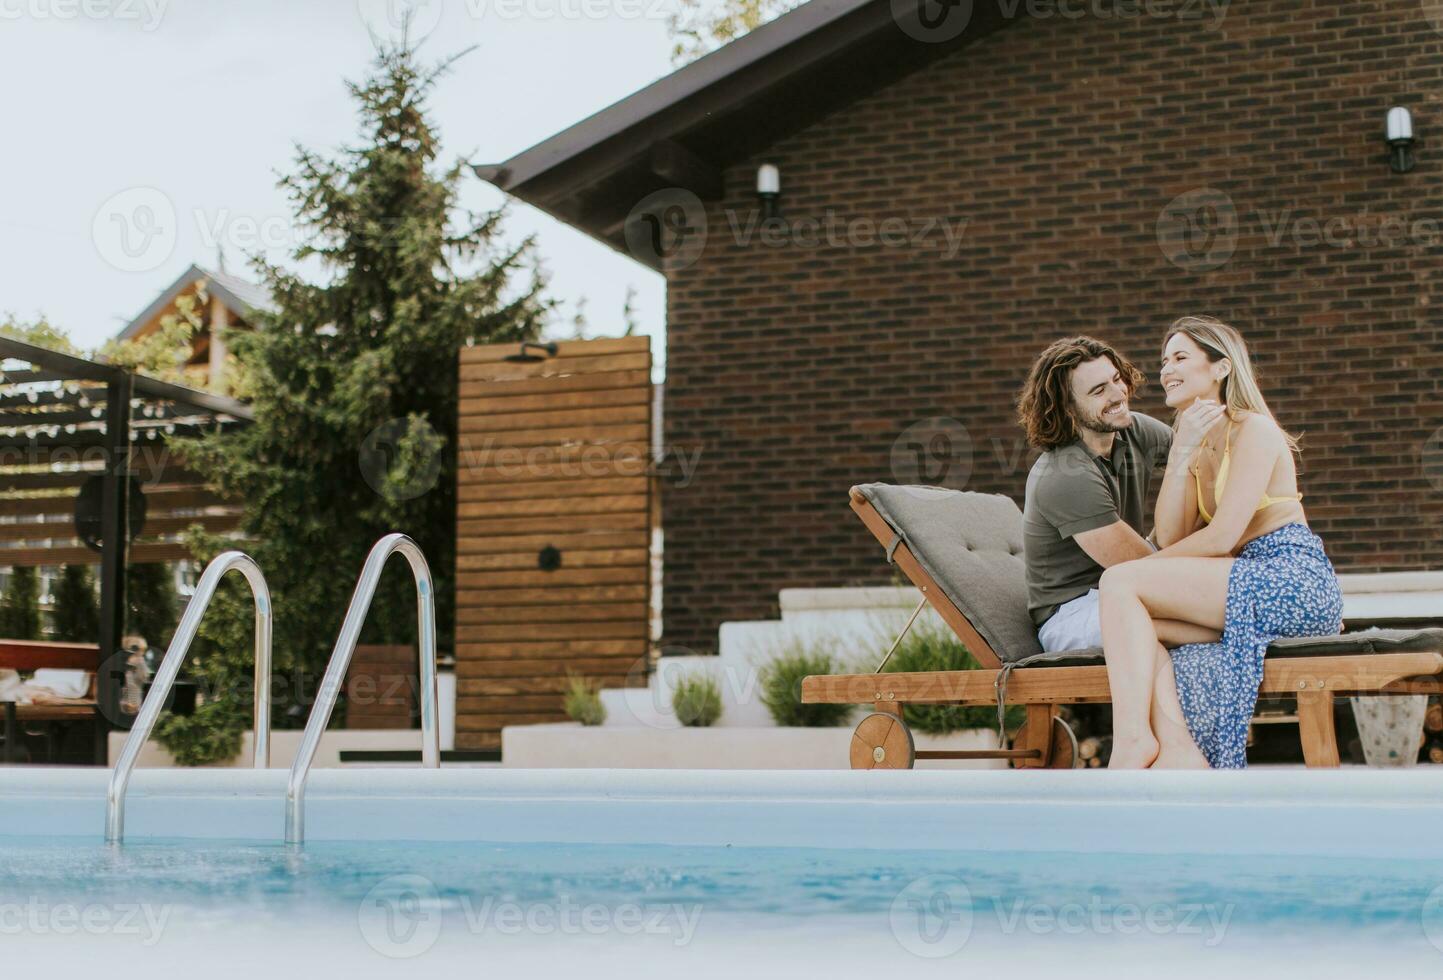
(1092, 724)
(1094, 750)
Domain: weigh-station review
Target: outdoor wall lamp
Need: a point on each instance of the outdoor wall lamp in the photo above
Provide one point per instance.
(1400, 139)
(769, 189)
(521, 357)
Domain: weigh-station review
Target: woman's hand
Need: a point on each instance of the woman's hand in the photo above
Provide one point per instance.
(1194, 423)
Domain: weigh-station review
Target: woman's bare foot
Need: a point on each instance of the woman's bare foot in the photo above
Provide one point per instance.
(1137, 752)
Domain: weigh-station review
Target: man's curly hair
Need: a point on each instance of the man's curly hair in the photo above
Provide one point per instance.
(1044, 408)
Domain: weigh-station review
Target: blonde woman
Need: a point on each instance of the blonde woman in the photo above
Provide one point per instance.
(1238, 566)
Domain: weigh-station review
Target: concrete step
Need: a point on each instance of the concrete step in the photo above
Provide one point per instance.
(855, 625)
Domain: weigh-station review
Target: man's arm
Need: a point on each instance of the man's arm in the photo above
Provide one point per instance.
(1077, 501)
(1113, 544)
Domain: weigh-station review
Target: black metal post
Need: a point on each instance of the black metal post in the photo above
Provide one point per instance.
(115, 540)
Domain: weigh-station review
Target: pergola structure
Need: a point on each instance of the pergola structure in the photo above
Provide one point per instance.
(65, 420)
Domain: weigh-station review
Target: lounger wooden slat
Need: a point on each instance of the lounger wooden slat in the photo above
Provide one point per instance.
(1088, 685)
(1315, 672)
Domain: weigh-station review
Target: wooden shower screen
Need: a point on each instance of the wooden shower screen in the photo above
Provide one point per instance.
(554, 525)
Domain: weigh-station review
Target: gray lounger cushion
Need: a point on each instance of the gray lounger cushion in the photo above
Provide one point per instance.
(971, 545)
(1363, 641)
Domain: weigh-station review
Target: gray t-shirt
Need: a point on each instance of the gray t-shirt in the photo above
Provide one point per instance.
(1069, 490)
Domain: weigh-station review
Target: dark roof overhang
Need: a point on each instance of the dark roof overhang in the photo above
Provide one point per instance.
(682, 130)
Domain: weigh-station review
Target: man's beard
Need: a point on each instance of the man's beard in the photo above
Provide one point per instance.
(1100, 424)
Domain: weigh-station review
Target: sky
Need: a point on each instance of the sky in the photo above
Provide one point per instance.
(146, 135)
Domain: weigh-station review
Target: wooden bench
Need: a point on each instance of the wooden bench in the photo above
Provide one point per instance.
(30, 655)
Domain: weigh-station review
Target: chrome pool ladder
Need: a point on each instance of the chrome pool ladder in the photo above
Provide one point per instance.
(169, 667)
(341, 659)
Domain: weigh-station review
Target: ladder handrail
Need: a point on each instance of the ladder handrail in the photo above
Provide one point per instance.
(170, 667)
(340, 661)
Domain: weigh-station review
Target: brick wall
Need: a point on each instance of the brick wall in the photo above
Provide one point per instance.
(801, 368)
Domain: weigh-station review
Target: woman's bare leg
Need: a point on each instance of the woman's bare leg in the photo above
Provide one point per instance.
(1190, 590)
(1176, 748)
(1129, 646)
(1174, 633)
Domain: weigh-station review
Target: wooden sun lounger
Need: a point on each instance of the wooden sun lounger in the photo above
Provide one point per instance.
(28, 655)
(882, 740)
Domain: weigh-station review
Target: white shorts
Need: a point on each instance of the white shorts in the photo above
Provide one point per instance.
(1075, 626)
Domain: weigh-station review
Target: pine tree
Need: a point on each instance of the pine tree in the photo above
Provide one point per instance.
(354, 390)
(76, 616)
(150, 600)
(628, 312)
(20, 606)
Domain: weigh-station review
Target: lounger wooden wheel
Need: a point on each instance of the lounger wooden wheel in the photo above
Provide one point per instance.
(882, 741)
(1059, 753)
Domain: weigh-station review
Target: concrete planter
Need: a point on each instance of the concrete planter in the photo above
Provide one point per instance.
(284, 745)
(574, 746)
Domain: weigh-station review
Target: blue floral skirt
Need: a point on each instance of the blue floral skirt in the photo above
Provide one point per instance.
(1280, 584)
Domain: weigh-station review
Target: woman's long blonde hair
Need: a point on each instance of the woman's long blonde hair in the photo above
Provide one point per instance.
(1239, 390)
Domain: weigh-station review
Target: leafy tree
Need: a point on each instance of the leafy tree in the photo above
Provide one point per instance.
(699, 26)
(163, 352)
(20, 605)
(76, 616)
(41, 333)
(354, 390)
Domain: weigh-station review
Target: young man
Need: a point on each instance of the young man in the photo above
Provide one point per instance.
(1087, 491)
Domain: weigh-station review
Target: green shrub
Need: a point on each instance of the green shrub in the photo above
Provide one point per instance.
(781, 684)
(212, 734)
(696, 700)
(930, 647)
(583, 701)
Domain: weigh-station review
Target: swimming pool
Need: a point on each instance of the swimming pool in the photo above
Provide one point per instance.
(726, 873)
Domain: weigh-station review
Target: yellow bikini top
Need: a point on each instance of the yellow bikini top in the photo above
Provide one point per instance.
(1223, 479)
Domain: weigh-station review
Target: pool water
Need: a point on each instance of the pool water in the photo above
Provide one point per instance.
(234, 907)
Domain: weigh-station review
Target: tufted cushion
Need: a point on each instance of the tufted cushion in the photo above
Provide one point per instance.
(1374, 640)
(1364, 641)
(971, 545)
